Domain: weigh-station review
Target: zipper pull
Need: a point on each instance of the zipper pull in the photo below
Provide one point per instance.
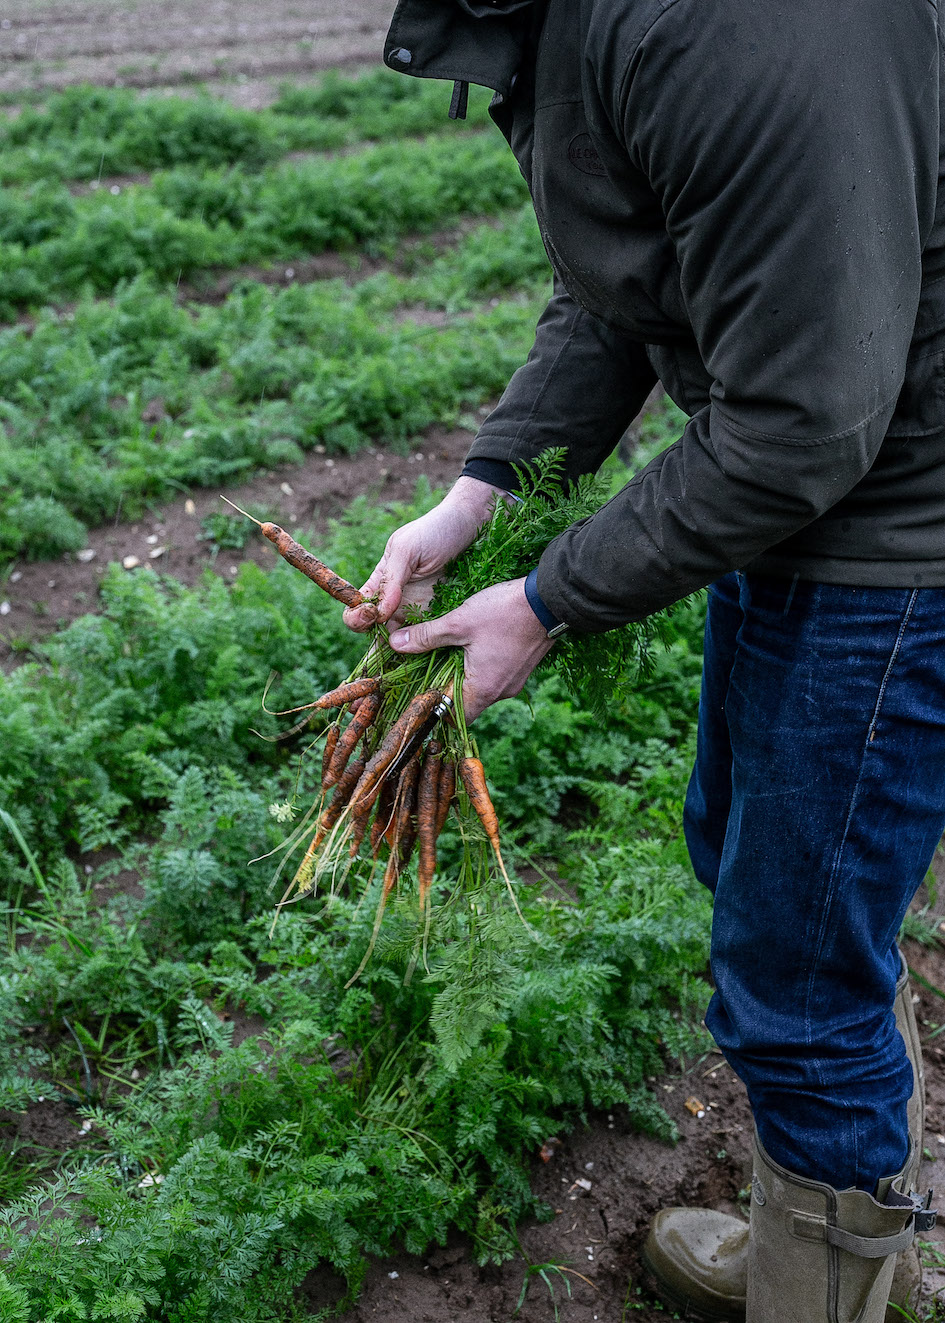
(459, 101)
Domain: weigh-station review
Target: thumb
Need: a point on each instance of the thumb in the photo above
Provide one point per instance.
(429, 634)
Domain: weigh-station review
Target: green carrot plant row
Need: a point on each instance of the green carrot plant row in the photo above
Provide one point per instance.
(257, 381)
(88, 133)
(56, 245)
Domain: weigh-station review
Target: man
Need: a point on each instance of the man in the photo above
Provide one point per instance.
(743, 200)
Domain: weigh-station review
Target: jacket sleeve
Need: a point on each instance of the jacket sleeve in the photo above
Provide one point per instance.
(793, 151)
(580, 388)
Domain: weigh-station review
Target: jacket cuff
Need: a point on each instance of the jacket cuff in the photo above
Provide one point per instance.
(546, 616)
(497, 472)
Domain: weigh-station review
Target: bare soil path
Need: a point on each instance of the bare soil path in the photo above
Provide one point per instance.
(39, 597)
(142, 43)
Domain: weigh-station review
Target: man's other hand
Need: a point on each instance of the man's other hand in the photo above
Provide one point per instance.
(502, 638)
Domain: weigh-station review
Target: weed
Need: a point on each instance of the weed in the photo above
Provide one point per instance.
(545, 1271)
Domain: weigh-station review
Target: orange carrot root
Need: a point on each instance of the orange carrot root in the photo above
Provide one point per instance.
(427, 805)
(446, 792)
(328, 820)
(405, 829)
(359, 822)
(303, 560)
(331, 742)
(415, 713)
(473, 776)
(368, 709)
(384, 818)
(348, 692)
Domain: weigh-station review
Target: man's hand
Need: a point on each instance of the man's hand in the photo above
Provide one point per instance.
(502, 637)
(417, 553)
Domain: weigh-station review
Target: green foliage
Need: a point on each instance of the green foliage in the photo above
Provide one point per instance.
(346, 1122)
(87, 133)
(251, 383)
(227, 532)
(193, 218)
(41, 524)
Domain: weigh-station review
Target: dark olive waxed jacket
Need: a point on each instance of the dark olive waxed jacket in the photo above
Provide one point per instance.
(746, 200)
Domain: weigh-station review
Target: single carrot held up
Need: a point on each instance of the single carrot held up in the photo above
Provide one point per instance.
(303, 560)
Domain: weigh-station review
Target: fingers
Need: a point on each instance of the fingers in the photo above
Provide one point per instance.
(444, 632)
(397, 569)
(360, 618)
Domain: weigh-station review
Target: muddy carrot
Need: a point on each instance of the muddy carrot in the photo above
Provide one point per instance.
(413, 716)
(383, 821)
(329, 817)
(446, 793)
(427, 804)
(368, 709)
(405, 827)
(343, 789)
(359, 822)
(347, 693)
(473, 777)
(331, 741)
(303, 560)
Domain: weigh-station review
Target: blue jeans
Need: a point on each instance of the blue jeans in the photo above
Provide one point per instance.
(814, 810)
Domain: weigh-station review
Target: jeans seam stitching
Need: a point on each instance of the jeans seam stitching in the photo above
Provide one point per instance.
(854, 796)
(892, 661)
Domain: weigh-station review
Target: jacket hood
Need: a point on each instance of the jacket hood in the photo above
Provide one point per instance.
(471, 41)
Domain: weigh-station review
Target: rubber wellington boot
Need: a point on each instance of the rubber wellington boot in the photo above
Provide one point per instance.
(699, 1257)
(819, 1255)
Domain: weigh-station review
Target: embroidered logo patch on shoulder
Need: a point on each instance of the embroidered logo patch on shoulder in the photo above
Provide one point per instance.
(583, 154)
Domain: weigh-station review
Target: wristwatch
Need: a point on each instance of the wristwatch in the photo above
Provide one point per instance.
(554, 627)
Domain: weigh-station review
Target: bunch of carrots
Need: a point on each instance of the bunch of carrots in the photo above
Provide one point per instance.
(387, 781)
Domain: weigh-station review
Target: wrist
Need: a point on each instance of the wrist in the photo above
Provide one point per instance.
(474, 497)
(543, 613)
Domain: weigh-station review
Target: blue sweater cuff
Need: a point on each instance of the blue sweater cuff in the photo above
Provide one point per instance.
(547, 618)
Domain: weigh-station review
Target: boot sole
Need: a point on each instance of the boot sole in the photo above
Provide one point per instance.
(685, 1306)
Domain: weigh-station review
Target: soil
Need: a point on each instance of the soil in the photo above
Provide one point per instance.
(146, 43)
(596, 1234)
(42, 596)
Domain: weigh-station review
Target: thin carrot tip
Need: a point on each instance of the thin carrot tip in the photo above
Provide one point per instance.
(239, 508)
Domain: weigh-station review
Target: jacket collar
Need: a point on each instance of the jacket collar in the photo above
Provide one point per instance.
(470, 41)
